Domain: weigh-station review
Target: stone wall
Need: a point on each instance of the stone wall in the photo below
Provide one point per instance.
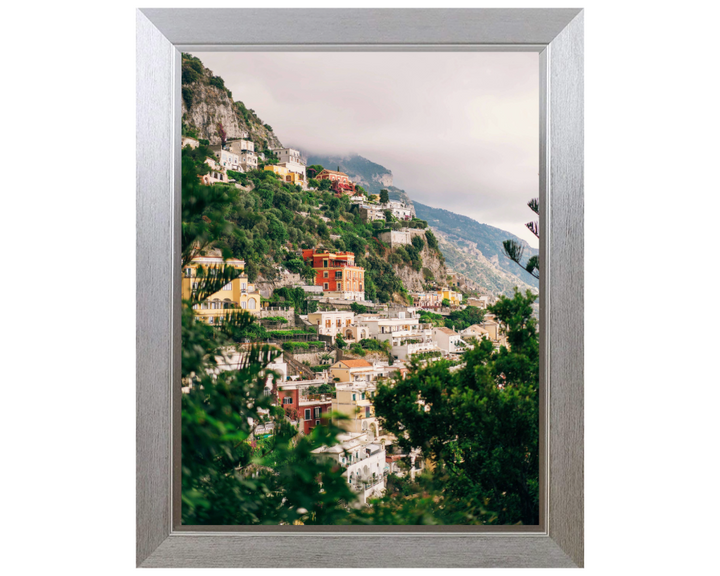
(400, 237)
(287, 312)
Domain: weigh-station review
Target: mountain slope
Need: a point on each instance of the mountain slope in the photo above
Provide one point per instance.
(470, 248)
(206, 101)
(371, 176)
(472, 237)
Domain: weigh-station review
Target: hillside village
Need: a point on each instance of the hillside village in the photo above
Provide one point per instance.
(349, 287)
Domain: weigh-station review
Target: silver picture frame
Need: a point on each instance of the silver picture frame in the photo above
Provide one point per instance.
(557, 36)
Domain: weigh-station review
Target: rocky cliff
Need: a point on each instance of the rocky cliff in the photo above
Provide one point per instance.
(207, 102)
(433, 268)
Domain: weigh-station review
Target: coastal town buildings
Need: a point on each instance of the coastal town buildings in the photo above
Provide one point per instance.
(354, 401)
(337, 273)
(227, 159)
(303, 407)
(332, 323)
(363, 461)
(341, 183)
(448, 340)
(285, 174)
(236, 294)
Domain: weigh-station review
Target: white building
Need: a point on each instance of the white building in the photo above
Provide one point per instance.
(289, 155)
(295, 168)
(248, 160)
(333, 322)
(238, 146)
(227, 159)
(448, 340)
(217, 173)
(363, 461)
(400, 210)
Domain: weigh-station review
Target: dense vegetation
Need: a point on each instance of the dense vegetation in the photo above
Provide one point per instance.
(273, 220)
(476, 424)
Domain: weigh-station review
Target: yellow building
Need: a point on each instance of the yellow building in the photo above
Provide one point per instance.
(454, 297)
(284, 174)
(353, 371)
(237, 294)
(355, 401)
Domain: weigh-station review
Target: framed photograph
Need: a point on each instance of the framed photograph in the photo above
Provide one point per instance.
(360, 288)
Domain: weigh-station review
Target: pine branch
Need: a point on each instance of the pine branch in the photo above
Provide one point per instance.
(534, 227)
(534, 205)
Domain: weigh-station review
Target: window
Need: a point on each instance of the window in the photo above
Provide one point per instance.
(251, 304)
(211, 319)
(227, 286)
(325, 263)
(325, 274)
(287, 400)
(317, 422)
(353, 396)
(244, 305)
(325, 286)
(318, 410)
(267, 392)
(188, 272)
(307, 413)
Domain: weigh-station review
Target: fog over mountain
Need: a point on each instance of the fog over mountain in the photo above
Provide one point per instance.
(458, 129)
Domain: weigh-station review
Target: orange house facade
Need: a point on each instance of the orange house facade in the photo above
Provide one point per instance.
(341, 183)
(337, 274)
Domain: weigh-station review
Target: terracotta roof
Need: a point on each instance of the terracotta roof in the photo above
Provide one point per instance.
(446, 330)
(356, 363)
(332, 172)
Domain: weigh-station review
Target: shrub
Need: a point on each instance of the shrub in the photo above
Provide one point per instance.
(431, 240)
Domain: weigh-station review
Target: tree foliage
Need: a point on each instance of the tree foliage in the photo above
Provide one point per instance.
(479, 424)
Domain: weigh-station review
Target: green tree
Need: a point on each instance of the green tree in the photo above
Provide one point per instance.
(479, 424)
(384, 196)
(229, 475)
(340, 341)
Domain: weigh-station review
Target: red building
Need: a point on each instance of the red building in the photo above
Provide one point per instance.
(336, 271)
(309, 409)
(341, 183)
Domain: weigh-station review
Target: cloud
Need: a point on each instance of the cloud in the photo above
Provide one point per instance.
(459, 130)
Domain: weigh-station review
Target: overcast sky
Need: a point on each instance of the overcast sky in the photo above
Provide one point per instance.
(458, 130)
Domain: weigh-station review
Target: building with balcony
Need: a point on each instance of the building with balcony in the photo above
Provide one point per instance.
(337, 273)
(248, 160)
(236, 294)
(341, 183)
(301, 407)
(333, 322)
(293, 161)
(448, 340)
(363, 461)
(289, 155)
(227, 159)
(217, 173)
